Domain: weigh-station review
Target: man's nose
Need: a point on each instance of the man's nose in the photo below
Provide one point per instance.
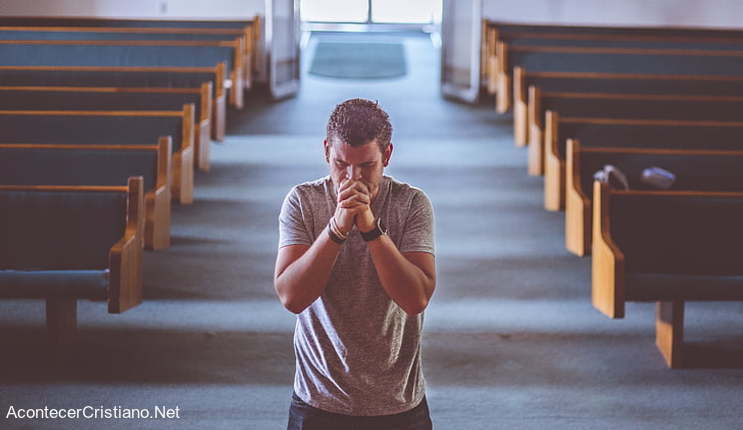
(353, 172)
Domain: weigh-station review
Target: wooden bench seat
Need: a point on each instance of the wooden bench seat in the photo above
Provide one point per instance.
(695, 170)
(250, 29)
(125, 53)
(192, 78)
(110, 98)
(668, 247)
(625, 106)
(134, 34)
(681, 62)
(111, 128)
(498, 36)
(90, 165)
(528, 86)
(64, 243)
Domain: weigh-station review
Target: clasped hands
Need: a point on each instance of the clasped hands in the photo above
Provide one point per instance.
(354, 206)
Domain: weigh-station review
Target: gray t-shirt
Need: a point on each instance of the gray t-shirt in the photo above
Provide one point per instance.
(358, 352)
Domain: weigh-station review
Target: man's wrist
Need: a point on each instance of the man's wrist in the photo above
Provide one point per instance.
(373, 234)
(336, 234)
(366, 222)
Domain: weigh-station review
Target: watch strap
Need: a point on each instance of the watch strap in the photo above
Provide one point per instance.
(378, 230)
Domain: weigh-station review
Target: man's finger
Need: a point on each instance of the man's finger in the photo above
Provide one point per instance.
(350, 204)
(345, 194)
(345, 186)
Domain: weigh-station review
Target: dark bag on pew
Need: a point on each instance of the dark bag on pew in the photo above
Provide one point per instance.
(693, 169)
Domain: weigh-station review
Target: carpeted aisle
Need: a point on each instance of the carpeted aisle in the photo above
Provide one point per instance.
(511, 340)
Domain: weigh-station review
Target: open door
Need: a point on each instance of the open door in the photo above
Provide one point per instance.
(460, 50)
(282, 45)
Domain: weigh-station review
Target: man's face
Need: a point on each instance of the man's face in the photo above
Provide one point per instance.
(364, 163)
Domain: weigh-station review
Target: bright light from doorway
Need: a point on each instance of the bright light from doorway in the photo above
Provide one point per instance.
(334, 10)
(405, 12)
(382, 11)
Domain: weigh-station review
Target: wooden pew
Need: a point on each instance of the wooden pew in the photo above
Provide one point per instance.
(108, 98)
(90, 165)
(665, 247)
(695, 170)
(130, 77)
(250, 29)
(528, 87)
(111, 128)
(123, 53)
(64, 243)
(137, 33)
(515, 35)
(624, 106)
(684, 62)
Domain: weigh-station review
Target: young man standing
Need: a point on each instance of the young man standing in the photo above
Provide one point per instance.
(356, 264)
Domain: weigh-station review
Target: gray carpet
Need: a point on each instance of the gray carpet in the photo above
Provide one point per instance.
(359, 60)
(510, 339)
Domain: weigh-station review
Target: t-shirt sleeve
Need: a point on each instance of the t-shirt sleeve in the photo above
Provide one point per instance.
(292, 228)
(418, 233)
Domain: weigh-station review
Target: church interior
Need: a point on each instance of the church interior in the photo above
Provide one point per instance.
(583, 161)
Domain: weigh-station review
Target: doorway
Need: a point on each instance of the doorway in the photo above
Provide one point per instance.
(411, 12)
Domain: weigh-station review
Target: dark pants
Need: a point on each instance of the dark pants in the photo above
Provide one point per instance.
(305, 417)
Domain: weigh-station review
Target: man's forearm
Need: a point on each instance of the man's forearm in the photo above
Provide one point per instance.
(304, 280)
(405, 283)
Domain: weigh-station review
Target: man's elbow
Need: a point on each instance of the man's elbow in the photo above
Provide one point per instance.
(416, 307)
(292, 305)
(289, 301)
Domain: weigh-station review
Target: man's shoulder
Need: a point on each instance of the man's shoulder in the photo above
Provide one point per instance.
(404, 190)
(310, 189)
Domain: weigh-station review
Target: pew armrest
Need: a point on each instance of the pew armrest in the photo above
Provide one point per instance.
(607, 271)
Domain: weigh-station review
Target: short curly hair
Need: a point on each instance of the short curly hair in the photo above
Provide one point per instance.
(358, 122)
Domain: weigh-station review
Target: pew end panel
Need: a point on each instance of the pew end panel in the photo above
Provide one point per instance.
(237, 90)
(220, 105)
(183, 160)
(536, 133)
(554, 166)
(491, 69)
(157, 201)
(520, 108)
(248, 43)
(503, 99)
(125, 257)
(202, 128)
(607, 260)
(577, 205)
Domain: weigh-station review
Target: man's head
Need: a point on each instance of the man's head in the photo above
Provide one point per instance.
(358, 142)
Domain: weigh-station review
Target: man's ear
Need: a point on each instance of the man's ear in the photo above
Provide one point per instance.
(387, 155)
(326, 148)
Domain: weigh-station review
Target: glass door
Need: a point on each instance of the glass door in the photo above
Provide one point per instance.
(371, 11)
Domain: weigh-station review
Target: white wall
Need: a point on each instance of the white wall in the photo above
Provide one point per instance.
(229, 9)
(674, 13)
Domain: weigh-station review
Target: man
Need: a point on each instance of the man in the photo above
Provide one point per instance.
(356, 264)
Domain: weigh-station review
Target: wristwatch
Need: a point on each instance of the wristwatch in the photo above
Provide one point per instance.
(378, 230)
